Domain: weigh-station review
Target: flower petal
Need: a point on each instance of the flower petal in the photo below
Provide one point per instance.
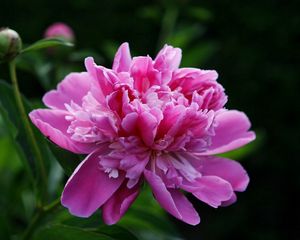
(232, 200)
(148, 127)
(230, 133)
(53, 125)
(229, 170)
(122, 59)
(172, 200)
(210, 189)
(73, 88)
(89, 187)
(168, 58)
(118, 204)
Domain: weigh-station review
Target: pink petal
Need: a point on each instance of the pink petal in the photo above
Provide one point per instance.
(232, 200)
(230, 133)
(210, 189)
(73, 88)
(193, 79)
(89, 187)
(229, 170)
(168, 58)
(122, 59)
(105, 78)
(172, 200)
(129, 122)
(117, 205)
(53, 125)
(144, 74)
(148, 127)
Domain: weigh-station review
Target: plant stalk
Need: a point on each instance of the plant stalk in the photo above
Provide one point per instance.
(29, 132)
(38, 217)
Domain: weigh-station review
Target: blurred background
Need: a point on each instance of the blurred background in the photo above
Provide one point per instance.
(254, 46)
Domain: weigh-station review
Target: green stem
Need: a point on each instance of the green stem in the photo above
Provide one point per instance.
(38, 217)
(29, 132)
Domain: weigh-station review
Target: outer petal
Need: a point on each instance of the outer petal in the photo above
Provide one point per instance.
(230, 133)
(172, 200)
(122, 59)
(117, 205)
(89, 187)
(232, 200)
(229, 170)
(53, 125)
(73, 88)
(210, 189)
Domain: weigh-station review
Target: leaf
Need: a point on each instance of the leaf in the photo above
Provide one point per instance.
(199, 54)
(65, 232)
(51, 152)
(46, 43)
(185, 35)
(67, 160)
(117, 232)
(148, 220)
(9, 108)
(200, 13)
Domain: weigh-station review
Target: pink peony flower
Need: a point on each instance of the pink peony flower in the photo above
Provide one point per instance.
(145, 120)
(60, 30)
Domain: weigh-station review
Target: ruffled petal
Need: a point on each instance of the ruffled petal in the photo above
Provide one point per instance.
(53, 125)
(231, 132)
(117, 205)
(173, 201)
(73, 88)
(144, 74)
(229, 170)
(168, 58)
(210, 189)
(105, 78)
(122, 59)
(89, 187)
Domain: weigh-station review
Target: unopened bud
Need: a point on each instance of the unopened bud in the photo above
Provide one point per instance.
(10, 44)
(60, 30)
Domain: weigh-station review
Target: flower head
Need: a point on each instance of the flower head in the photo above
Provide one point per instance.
(60, 30)
(145, 120)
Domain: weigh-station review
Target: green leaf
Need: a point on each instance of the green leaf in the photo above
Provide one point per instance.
(65, 232)
(67, 160)
(117, 232)
(48, 42)
(148, 220)
(199, 54)
(14, 123)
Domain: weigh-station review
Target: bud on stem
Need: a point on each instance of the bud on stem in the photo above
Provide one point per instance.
(10, 44)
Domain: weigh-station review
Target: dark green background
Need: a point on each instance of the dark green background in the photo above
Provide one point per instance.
(254, 45)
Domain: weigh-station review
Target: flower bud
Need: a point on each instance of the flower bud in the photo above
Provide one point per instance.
(10, 44)
(60, 30)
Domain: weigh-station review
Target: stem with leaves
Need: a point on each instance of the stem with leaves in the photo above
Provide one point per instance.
(30, 135)
(36, 219)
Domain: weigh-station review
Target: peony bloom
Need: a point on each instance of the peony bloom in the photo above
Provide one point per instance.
(145, 120)
(60, 30)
